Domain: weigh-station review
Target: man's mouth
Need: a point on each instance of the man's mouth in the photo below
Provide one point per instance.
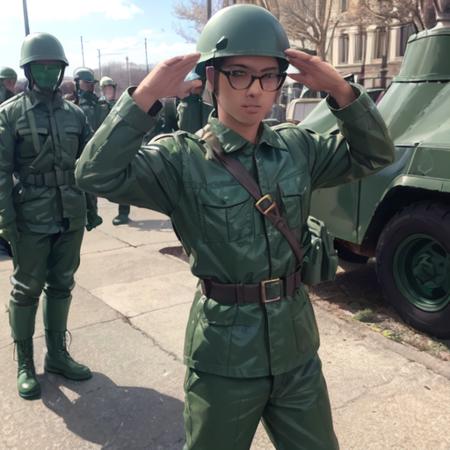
(251, 108)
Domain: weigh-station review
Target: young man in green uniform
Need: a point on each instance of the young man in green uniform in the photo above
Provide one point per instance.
(43, 214)
(96, 113)
(251, 341)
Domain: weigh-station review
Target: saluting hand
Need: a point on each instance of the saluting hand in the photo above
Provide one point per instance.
(167, 80)
(318, 75)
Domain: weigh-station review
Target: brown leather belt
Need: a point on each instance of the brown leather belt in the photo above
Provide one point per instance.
(266, 291)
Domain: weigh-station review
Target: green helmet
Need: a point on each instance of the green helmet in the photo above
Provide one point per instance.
(107, 81)
(84, 74)
(242, 30)
(6, 73)
(41, 47)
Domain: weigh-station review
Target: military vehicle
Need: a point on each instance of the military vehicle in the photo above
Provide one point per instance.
(401, 215)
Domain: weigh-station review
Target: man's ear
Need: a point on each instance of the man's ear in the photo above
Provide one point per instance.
(210, 78)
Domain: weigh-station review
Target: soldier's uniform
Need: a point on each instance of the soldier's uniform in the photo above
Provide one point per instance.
(96, 112)
(43, 215)
(6, 73)
(251, 340)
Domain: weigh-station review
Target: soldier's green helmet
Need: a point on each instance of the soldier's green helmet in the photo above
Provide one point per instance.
(84, 74)
(242, 30)
(107, 81)
(6, 73)
(41, 47)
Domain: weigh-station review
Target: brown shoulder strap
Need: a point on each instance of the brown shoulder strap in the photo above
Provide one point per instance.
(264, 203)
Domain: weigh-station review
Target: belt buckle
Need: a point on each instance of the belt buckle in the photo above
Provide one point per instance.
(260, 208)
(264, 284)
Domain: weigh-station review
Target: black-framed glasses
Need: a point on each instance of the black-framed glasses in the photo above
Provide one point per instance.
(241, 79)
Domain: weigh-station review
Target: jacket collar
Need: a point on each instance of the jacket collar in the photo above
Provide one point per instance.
(232, 141)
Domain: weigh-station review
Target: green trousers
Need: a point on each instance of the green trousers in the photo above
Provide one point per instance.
(45, 262)
(124, 209)
(223, 413)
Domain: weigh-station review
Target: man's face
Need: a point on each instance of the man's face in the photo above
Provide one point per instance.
(248, 105)
(87, 86)
(109, 92)
(9, 84)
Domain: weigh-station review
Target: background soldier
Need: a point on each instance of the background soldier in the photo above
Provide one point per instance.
(44, 214)
(108, 88)
(95, 112)
(8, 78)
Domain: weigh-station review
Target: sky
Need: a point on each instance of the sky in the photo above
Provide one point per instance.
(115, 27)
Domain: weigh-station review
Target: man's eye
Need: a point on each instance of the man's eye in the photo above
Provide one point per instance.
(270, 76)
(238, 73)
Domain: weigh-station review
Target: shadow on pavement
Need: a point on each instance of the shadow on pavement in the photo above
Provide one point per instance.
(116, 417)
(150, 224)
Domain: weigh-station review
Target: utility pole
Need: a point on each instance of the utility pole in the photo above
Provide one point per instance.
(128, 70)
(146, 55)
(82, 50)
(99, 63)
(25, 17)
(208, 9)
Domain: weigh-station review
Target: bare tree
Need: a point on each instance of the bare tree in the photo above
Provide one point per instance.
(312, 22)
(419, 12)
(193, 14)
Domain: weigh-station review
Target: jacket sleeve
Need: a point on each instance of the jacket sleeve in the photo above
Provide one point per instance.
(361, 146)
(7, 144)
(115, 165)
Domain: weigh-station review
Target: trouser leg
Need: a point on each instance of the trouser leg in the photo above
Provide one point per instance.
(92, 218)
(298, 414)
(222, 413)
(124, 209)
(63, 262)
(30, 267)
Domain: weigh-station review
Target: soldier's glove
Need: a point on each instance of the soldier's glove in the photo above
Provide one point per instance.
(93, 220)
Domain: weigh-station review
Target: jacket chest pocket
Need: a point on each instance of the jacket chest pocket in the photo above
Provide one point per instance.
(27, 145)
(294, 199)
(227, 213)
(71, 141)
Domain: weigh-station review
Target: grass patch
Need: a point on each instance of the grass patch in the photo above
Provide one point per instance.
(366, 315)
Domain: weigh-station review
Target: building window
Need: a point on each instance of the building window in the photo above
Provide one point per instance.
(380, 49)
(404, 33)
(343, 5)
(360, 46)
(343, 48)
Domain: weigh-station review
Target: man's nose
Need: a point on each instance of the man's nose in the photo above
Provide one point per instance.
(255, 87)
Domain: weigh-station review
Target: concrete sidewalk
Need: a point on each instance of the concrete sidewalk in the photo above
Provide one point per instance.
(128, 317)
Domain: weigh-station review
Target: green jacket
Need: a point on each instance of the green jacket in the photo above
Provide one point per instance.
(226, 238)
(95, 110)
(44, 198)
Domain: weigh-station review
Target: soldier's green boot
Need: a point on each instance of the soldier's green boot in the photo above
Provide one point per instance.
(27, 384)
(58, 359)
(21, 319)
(93, 221)
(120, 219)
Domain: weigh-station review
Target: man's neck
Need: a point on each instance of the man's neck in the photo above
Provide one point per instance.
(248, 132)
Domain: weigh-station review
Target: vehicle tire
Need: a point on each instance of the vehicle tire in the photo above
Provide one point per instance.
(346, 254)
(413, 266)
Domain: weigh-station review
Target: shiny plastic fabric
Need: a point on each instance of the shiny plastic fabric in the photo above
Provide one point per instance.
(226, 238)
(223, 413)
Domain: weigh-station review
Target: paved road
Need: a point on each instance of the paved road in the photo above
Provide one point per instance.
(128, 317)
